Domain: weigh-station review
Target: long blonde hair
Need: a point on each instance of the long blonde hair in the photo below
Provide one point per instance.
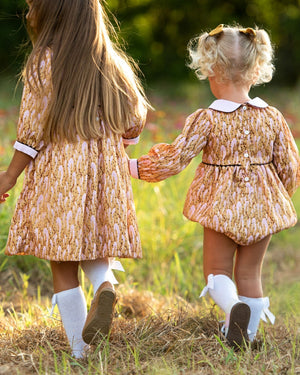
(233, 54)
(91, 75)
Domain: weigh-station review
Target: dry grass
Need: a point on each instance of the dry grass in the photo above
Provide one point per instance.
(150, 335)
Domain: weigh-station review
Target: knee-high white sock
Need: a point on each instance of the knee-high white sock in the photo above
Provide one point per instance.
(97, 271)
(72, 307)
(259, 308)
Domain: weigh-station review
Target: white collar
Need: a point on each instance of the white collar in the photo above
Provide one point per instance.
(223, 105)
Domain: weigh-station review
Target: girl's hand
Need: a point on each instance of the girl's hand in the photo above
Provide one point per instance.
(3, 198)
(9, 178)
(128, 160)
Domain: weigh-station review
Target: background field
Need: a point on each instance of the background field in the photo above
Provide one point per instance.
(161, 326)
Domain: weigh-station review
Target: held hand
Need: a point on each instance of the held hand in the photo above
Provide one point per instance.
(128, 160)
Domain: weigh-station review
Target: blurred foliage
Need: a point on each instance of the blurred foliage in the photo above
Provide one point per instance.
(13, 36)
(156, 32)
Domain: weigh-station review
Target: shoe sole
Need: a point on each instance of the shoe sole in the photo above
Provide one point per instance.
(237, 333)
(98, 324)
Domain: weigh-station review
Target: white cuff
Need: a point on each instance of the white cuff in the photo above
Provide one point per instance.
(133, 168)
(131, 141)
(25, 149)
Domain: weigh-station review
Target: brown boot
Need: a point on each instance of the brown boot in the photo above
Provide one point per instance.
(238, 324)
(99, 318)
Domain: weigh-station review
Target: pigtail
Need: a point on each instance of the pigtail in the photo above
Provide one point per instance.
(217, 52)
(264, 57)
(203, 55)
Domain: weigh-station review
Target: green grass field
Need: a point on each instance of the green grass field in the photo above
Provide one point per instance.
(161, 326)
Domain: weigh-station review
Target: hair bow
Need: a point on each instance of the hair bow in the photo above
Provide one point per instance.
(249, 31)
(217, 30)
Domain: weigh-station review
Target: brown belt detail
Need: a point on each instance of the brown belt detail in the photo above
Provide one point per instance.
(234, 165)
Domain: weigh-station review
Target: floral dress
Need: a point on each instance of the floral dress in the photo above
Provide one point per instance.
(250, 168)
(76, 202)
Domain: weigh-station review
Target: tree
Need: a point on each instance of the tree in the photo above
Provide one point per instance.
(156, 32)
(12, 35)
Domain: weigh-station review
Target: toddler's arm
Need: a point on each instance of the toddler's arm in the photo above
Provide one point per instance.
(165, 160)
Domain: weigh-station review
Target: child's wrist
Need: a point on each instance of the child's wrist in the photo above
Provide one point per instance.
(133, 168)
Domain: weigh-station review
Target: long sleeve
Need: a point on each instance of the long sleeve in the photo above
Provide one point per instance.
(165, 160)
(33, 110)
(138, 122)
(286, 157)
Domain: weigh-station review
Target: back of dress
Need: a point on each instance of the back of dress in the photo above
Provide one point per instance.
(249, 170)
(77, 201)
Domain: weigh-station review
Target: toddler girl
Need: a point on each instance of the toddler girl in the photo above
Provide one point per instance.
(250, 169)
(82, 100)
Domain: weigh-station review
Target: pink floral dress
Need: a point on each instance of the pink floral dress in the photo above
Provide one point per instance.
(250, 168)
(77, 201)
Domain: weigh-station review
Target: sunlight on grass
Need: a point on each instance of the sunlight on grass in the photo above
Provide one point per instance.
(161, 326)
(168, 341)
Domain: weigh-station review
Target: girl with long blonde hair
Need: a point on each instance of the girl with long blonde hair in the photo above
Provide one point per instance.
(82, 102)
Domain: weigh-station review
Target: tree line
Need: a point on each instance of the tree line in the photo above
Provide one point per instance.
(156, 32)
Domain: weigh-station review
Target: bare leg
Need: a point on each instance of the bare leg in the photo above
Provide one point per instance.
(65, 275)
(218, 253)
(218, 257)
(247, 269)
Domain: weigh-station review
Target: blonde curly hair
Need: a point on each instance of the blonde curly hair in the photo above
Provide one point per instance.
(233, 54)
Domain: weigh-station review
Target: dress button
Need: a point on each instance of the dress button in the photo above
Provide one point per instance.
(246, 132)
(246, 179)
(246, 154)
(244, 107)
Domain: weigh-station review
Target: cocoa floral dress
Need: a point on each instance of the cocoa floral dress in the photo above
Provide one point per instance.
(76, 202)
(250, 168)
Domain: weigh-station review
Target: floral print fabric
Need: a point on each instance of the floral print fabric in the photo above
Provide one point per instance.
(76, 202)
(250, 168)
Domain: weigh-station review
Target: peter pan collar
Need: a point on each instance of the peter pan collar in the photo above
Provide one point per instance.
(223, 105)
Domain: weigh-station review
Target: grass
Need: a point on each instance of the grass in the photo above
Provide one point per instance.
(150, 336)
(161, 327)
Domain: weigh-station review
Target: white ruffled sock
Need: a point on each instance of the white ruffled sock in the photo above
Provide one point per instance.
(223, 291)
(259, 308)
(72, 307)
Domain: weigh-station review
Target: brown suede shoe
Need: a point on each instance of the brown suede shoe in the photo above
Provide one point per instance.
(237, 333)
(99, 318)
